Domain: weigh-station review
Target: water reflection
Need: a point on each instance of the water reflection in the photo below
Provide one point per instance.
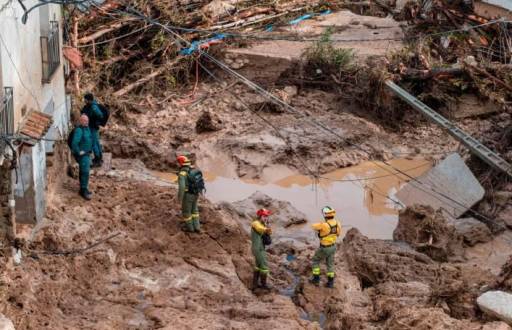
(361, 204)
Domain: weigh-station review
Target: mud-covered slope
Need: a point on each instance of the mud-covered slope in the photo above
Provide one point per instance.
(151, 276)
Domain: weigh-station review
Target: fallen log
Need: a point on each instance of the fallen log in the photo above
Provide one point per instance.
(106, 30)
(145, 79)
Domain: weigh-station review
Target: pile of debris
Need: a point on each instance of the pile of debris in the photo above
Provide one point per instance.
(127, 50)
(455, 61)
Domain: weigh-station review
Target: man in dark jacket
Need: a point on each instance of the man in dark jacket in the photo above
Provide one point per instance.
(93, 111)
(81, 147)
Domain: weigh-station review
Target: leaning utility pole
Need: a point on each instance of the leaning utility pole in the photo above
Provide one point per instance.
(475, 146)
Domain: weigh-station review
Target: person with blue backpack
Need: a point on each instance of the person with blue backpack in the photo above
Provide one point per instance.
(80, 141)
(190, 186)
(98, 116)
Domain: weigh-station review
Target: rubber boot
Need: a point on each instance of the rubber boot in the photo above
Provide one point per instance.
(86, 194)
(197, 226)
(330, 283)
(188, 227)
(264, 284)
(255, 279)
(315, 280)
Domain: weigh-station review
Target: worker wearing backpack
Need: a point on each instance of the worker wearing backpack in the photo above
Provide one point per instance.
(81, 148)
(328, 232)
(191, 185)
(98, 116)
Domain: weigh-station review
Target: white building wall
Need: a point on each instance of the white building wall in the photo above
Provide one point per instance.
(21, 68)
(23, 42)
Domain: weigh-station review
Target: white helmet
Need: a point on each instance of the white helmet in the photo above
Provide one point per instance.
(328, 212)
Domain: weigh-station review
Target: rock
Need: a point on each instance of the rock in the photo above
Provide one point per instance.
(427, 318)
(506, 216)
(429, 232)
(206, 123)
(288, 93)
(239, 106)
(473, 231)
(220, 8)
(5, 323)
(497, 304)
(496, 326)
(502, 198)
(505, 277)
(283, 218)
(392, 296)
(377, 262)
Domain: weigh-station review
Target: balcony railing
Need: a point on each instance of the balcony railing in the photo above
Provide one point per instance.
(6, 116)
(50, 52)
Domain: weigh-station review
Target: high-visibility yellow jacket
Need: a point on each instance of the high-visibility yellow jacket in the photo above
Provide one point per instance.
(182, 182)
(258, 229)
(328, 231)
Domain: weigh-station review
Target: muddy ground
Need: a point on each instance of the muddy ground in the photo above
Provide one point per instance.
(150, 275)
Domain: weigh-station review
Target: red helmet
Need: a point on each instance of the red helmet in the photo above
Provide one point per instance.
(263, 213)
(183, 160)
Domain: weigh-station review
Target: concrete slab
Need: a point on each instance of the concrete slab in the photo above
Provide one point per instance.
(366, 35)
(469, 106)
(449, 181)
(497, 304)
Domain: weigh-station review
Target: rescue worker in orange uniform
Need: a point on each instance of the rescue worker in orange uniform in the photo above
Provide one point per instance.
(260, 236)
(328, 232)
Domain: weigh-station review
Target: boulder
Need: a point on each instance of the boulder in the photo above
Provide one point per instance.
(426, 319)
(286, 235)
(208, 123)
(381, 265)
(473, 231)
(429, 232)
(220, 8)
(5, 323)
(392, 296)
(497, 304)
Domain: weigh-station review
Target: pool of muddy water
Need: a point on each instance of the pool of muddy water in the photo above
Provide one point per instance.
(359, 202)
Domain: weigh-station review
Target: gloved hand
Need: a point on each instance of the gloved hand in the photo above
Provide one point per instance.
(81, 153)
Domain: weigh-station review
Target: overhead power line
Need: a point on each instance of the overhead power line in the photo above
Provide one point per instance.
(433, 192)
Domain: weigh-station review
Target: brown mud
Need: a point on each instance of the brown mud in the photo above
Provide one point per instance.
(396, 269)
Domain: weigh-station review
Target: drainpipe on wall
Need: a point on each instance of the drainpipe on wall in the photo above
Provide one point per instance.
(16, 251)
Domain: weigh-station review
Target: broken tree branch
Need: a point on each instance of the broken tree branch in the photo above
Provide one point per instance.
(106, 30)
(416, 74)
(490, 76)
(145, 79)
